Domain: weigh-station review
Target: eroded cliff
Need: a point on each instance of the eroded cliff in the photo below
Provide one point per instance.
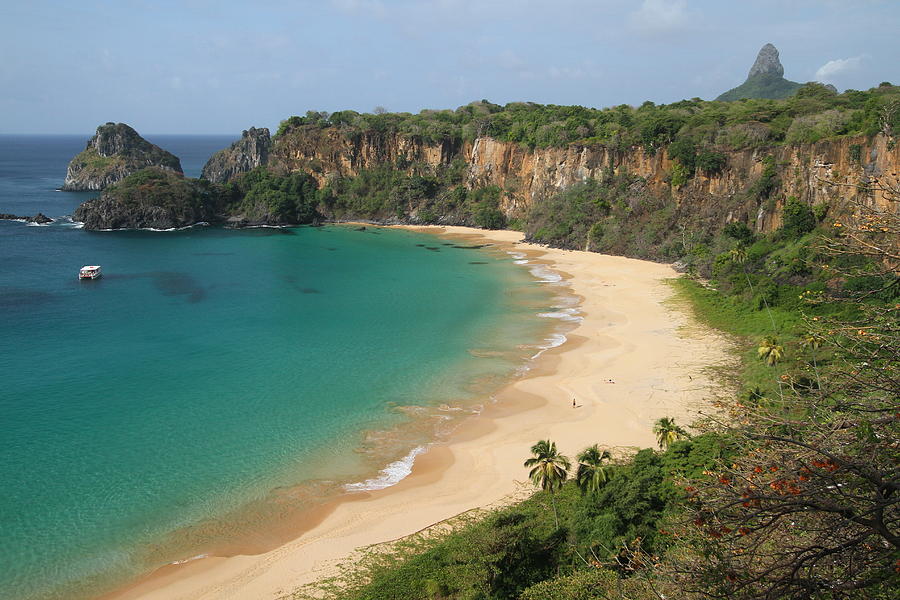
(826, 172)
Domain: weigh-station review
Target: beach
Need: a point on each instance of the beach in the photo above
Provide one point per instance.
(633, 358)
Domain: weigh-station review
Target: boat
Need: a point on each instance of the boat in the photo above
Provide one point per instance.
(89, 272)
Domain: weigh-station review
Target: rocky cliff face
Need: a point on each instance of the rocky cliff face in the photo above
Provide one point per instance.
(823, 173)
(251, 151)
(767, 63)
(115, 152)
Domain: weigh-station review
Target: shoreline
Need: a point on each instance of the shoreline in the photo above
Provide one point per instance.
(626, 334)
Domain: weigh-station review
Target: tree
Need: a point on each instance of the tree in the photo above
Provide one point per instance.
(667, 432)
(770, 350)
(549, 469)
(811, 508)
(591, 473)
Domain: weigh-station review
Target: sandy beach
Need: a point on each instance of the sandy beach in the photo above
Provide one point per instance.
(632, 359)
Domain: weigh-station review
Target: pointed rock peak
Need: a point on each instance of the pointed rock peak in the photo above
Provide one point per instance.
(767, 62)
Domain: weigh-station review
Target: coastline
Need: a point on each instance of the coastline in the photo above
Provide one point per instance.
(627, 334)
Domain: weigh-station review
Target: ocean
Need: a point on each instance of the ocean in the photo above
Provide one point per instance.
(213, 383)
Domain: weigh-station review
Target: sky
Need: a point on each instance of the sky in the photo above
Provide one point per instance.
(221, 66)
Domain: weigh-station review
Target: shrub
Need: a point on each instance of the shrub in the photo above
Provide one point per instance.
(798, 218)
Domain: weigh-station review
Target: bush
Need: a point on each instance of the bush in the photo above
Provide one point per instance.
(278, 198)
(711, 162)
(739, 231)
(798, 218)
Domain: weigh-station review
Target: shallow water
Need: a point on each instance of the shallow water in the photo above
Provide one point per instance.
(168, 406)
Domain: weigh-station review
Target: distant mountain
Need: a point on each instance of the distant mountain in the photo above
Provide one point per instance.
(766, 79)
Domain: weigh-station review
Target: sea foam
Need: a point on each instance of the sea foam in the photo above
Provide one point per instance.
(390, 475)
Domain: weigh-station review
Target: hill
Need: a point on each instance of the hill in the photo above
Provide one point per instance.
(766, 79)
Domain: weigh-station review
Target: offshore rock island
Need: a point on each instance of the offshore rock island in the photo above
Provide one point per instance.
(115, 152)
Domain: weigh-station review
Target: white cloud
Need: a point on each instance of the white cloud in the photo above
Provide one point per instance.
(657, 16)
(835, 68)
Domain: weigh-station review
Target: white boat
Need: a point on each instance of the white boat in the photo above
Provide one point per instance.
(89, 272)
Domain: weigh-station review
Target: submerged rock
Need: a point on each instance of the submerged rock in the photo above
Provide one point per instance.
(115, 152)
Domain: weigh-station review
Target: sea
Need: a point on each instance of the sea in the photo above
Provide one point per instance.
(214, 384)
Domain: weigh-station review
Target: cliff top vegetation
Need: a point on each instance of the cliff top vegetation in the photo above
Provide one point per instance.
(814, 113)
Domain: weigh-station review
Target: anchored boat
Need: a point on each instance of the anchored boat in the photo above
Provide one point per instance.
(89, 272)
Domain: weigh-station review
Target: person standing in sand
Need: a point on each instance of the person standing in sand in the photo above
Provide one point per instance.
(573, 402)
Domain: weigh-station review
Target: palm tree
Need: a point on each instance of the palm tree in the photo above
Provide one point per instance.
(738, 255)
(591, 473)
(770, 350)
(549, 469)
(667, 432)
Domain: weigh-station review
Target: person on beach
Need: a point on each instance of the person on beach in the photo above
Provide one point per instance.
(573, 402)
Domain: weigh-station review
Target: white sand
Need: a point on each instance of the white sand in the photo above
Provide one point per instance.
(629, 334)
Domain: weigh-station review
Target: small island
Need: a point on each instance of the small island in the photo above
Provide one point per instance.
(115, 152)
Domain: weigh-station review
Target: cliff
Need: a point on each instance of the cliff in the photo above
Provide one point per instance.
(251, 151)
(115, 152)
(826, 172)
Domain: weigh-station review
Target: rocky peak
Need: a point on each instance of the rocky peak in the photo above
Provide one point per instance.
(249, 152)
(765, 80)
(115, 151)
(767, 62)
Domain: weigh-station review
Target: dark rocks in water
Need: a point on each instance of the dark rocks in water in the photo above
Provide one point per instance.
(249, 152)
(433, 248)
(472, 247)
(477, 262)
(115, 152)
(363, 228)
(420, 245)
(39, 218)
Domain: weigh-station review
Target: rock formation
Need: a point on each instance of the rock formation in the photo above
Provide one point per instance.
(251, 151)
(115, 152)
(823, 172)
(767, 63)
(765, 80)
(40, 218)
(154, 198)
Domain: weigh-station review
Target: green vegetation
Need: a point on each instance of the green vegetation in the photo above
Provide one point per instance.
(168, 190)
(815, 112)
(262, 196)
(763, 85)
(668, 432)
(506, 553)
(413, 192)
(92, 164)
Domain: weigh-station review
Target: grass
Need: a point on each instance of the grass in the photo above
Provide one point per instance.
(745, 324)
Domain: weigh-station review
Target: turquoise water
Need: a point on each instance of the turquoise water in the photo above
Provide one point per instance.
(164, 410)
